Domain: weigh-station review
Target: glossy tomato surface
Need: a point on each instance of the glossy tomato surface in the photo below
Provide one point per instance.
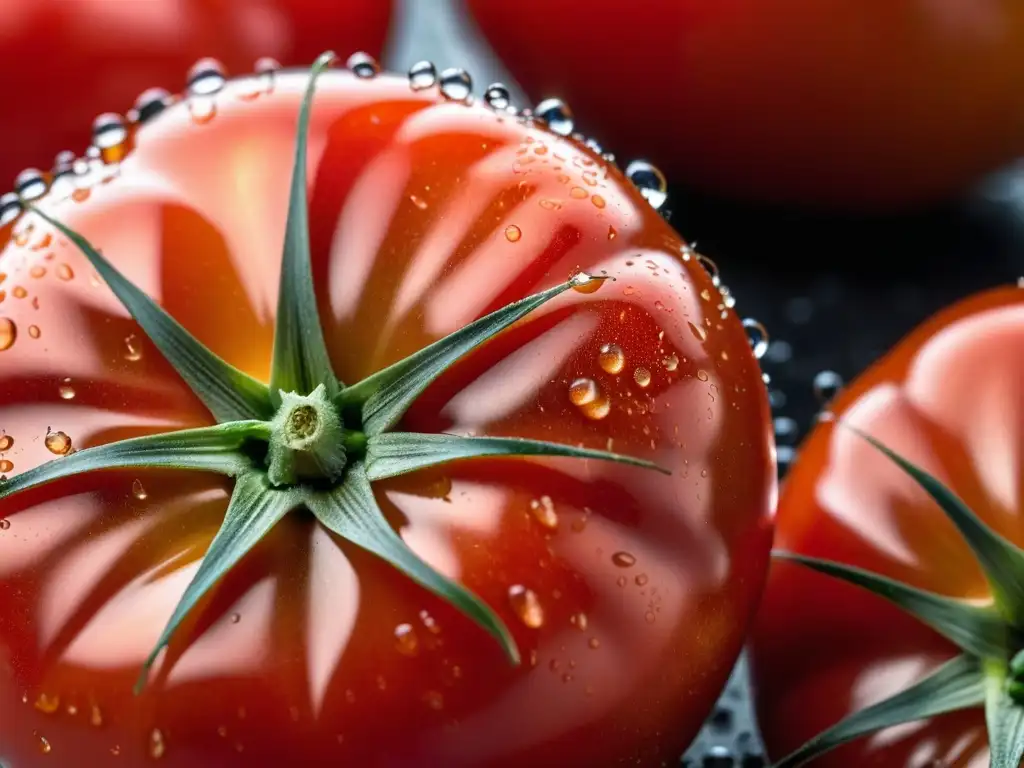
(947, 398)
(843, 103)
(628, 592)
(65, 62)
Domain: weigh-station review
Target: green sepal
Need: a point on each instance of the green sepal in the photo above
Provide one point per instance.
(385, 396)
(351, 511)
(958, 684)
(300, 361)
(1000, 559)
(207, 449)
(975, 629)
(396, 453)
(1004, 719)
(228, 393)
(254, 509)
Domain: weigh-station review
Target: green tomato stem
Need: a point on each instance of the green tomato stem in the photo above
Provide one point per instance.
(307, 440)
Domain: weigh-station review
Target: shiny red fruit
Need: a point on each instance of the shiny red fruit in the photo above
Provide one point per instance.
(628, 592)
(847, 104)
(67, 61)
(947, 398)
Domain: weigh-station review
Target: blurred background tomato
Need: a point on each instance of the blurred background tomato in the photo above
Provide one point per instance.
(67, 61)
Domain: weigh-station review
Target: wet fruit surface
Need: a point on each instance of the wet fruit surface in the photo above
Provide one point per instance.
(776, 100)
(71, 61)
(948, 399)
(628, 594)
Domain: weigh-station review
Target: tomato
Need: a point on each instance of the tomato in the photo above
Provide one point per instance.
(628, 592)
(69, 62)
(843, 104)
(948, 399)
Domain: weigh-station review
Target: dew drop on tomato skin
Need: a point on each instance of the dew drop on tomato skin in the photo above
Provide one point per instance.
(8, 333)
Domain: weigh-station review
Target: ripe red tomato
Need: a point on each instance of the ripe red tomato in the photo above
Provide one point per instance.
(68, 62)
(845, 103)
(628, 592)
(947, 398)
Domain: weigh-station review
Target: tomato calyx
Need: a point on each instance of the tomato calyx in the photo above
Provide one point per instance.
(988, 673)
(305, 441)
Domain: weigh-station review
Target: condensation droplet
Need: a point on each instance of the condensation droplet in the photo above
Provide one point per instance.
(44, 744)
(526, 605)
(30, 184)
(5, 525)
(757, 335)
(47, 704)
(64, 272)
(598, 201)
(6, 443)
(19, 292)
(456, 84)
(584, 283)
(362, 65)
(670, 362)
(594, 643)
(10, 208)
(138, 490)
(96, 716)
(556, 114)
(434, 700)
(109, 134)
(611, 358)
(578, 193)
(624, 559)
(6, 465)
(544, 510)
(513, 233)
(34, 332)
(8, 333)
(406, 641)
(206, 77)
(422, 74)
(827, 385)
(157, 745)
(702, 375)
(641, 580)
(642, 376)
(150, 103)
(711, 268)
(650, 181)
(496, 96)
(132, 349)
(419, 202)
(66, 391)
(58, 443)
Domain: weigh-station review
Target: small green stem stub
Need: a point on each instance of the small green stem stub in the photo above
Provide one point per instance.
(307, 440)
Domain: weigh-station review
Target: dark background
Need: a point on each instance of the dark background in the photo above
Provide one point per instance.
(835, 292)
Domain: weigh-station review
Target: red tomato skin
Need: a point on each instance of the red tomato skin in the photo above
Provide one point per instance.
(947, 398)
(67, 62)
(840, 104)
(425, 214)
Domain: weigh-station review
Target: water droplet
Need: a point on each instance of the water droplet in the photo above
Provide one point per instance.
(544, 510)
(827, 385)
(58, 443)
(44, 745)
(710, 267)
(579, 193)
(6, 465)
(611, 358)
(157, 745)
(206, 77)
(132, 349)
(30, 184)
(406, 641)
(66, 391)
(47, 704)
(34, 332)
(109, 134)
(5, 525)
(6, 443)
(138, 491)
(702, 375)
(556, 114)
(650, 181)
(589, 398)
(419, 202)
(526, 605)
(594, 643)
(19, 292)
(670, 362)
(37, 271)
(8, 333)
(456, 84)
(641, 580)
(718, 756)
(64, 272)
(362, 65)
(434, 700)
(584, 283)
(622, 581)
(422, 74)
(497, 96)
(642, 377)
(10, 208)
(624, 559)
(513, 233)
(598, 201)
(757, 335)
(150, 103)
